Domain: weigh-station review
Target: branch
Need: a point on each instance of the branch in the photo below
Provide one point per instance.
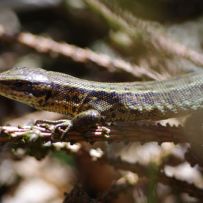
(178, 185)
(77, 54)
(139, 29)
(120, 132)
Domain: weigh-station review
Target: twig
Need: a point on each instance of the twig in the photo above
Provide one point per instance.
(180, 186)
(127, 133)
(142, 30)
(77, 54)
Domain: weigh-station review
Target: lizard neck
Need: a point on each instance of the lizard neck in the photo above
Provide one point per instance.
(66, 99)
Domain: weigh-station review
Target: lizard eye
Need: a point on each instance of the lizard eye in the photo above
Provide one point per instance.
(19, 84)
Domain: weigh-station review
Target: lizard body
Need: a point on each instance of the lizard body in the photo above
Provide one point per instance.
(58, 92)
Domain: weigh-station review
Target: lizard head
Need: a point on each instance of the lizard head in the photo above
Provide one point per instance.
(27, 85)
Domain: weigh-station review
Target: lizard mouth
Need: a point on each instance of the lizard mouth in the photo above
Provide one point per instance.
(9, 90)
(33, 94)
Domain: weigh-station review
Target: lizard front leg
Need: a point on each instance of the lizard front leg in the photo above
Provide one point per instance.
(82, 122)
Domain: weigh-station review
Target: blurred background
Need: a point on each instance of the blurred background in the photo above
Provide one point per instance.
(117, 40)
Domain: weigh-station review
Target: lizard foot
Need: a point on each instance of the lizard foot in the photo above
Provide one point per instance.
(82, 123)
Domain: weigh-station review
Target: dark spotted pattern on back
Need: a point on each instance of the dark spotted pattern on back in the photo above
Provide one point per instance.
(125, 103)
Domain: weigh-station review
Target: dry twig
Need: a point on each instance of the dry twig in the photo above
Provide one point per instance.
(127, 133)
(77, 54)
(138, 29)
(178, 185)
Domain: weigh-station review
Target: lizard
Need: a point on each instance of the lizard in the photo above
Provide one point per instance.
(91, 102)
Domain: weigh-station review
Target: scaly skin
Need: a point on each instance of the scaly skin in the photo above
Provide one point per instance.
(65, 94)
